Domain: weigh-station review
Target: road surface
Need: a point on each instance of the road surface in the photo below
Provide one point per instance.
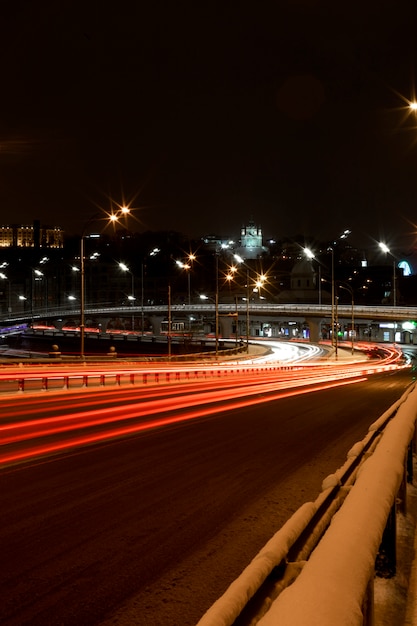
(151, 529)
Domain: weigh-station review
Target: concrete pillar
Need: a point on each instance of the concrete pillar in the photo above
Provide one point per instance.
(314, 327)
(156, 324)
(226, 326)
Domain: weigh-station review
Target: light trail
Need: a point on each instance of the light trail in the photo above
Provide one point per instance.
(59, 424)
(134, 428)
(62, 421)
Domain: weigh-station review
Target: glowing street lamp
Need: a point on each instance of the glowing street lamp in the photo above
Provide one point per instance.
(386, 250)
(187, 268)
(131, 297)
(9, 291)
(216, 309)
(114, 218)
(239, 260)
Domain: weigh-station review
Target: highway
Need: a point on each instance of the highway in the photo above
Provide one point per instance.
(153, 510)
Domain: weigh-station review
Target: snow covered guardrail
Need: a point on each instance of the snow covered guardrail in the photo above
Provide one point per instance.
(318, 569)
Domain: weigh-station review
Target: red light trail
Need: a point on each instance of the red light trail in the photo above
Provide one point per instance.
(60, 421)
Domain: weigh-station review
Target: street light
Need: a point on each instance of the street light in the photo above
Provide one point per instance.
(334, 308)
(132, 298)
(216, 309)
(239, 260)
(191, 258)
(187, 268)
(386, 250)
(310, 256)
(112, 217)
(350, 290)
(9, 303)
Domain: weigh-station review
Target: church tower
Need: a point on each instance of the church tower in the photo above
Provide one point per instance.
(251, 241)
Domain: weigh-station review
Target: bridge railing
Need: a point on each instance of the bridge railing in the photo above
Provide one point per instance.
(315, 310)
(319, 568)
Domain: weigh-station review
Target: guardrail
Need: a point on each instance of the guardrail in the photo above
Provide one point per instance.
(319, 568)
(55, 381)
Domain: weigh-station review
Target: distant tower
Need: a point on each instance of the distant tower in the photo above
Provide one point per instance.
(250, 241)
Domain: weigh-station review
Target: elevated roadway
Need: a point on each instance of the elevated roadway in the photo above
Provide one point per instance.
(257, 315)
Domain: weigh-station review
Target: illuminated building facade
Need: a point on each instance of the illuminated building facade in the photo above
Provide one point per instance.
(31, 236)
(251, 246)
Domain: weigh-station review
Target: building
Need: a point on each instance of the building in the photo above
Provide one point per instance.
(34, 236)
(251, 245)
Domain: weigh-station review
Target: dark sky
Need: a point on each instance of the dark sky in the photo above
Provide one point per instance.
(203, 114)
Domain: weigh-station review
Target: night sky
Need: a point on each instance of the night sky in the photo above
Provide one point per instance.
(201, 115)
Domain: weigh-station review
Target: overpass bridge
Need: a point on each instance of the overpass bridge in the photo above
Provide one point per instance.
(308, 321)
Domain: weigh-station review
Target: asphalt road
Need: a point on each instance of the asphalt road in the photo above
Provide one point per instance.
(157, 525)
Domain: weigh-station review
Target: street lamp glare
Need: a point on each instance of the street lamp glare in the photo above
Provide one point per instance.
(124, 267)
(309, 253)
(413, 106)
(384, 247)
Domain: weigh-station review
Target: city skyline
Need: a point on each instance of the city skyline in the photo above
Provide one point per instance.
(200, 119)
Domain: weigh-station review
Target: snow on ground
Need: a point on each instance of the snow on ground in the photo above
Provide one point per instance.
(330, 589)
(395, 598)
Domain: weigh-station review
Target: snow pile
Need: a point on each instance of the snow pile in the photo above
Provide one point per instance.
(331, 588)
(227, 608)
(332, 585)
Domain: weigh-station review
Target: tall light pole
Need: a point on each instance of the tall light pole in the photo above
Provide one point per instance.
(216, 315)
(239, 260)
(247, 311)
(36, 275)
(169, 322)
(191, 258)
(217, 305)
(142, 292)
(334, 308)
(9, 302)
(187, 268)
(132, 298)
(385, 249)
(113, 217)
(350, 290)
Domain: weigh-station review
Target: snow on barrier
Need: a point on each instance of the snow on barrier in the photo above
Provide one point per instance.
(334, 586)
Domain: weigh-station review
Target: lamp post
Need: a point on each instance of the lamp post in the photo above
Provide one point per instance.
(9, 302)
(132, 298)
(191, 258)
(169, 323)
(187, 268)
(142, 293)
(216, 315)
(35, 276)
(350, 290)
(385, 249)
(113, 217)
(334, 308)
(240, 261)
